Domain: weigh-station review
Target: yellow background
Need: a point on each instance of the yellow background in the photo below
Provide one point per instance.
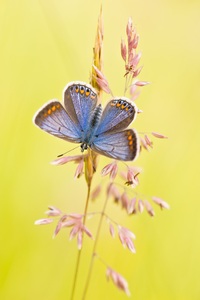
(43, 46)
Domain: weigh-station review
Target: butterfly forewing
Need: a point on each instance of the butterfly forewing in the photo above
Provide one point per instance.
(117, 115)
(79, 100)
(122, 145)
(53, 119)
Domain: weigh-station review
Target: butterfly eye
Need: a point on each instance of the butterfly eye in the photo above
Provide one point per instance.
(76, 88)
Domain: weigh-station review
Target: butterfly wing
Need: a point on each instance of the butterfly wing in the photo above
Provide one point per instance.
(117, 115)
(79, 101)
(122, 145)
(53, 119)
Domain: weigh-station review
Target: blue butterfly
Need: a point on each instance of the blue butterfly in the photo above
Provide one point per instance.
(82, 121)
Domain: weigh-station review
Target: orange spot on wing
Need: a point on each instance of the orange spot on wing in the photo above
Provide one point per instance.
(82, 91)
(129, 137)
(130, 143)
(49, 111)
(53, 108)
(92, 96)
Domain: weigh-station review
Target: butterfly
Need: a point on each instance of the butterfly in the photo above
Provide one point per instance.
(82, 120)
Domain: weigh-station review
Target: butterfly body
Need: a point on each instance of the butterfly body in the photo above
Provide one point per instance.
(82, 121)
(89, 134)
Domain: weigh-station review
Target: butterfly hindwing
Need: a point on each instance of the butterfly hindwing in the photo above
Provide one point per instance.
(53, 119)
(122, 145)
(80, 99)
(117, 115)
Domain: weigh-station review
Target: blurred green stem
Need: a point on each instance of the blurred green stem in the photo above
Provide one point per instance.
(95, 247)
(80, 251)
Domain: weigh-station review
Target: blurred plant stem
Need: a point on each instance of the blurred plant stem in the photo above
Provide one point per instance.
(95, 246)
(80, 251)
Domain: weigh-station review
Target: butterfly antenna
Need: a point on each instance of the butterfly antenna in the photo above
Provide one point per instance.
(67, 151)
